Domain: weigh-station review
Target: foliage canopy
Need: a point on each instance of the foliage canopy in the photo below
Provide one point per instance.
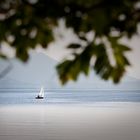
(26, 23)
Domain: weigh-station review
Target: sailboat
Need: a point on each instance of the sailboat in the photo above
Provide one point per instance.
(41, 94)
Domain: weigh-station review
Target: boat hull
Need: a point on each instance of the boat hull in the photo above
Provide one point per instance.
(39, 97)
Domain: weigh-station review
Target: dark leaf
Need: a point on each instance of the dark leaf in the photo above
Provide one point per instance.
(74, 46)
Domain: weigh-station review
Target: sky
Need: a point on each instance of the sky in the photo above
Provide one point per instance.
(134, 56)
(58, 52)
(57, 49)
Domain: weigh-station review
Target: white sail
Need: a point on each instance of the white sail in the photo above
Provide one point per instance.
(41, 93)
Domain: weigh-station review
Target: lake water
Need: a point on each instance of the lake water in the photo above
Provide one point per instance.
(68, 97)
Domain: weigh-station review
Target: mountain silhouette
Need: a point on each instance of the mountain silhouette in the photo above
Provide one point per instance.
(40, 70)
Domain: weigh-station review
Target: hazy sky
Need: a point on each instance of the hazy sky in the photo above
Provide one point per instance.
(63, 37)
(58, 51)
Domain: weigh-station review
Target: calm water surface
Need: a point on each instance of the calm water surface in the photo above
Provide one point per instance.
(68, 97)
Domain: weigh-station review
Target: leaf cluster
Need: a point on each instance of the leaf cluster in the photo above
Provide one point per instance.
(70, 69)
(24, 24)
